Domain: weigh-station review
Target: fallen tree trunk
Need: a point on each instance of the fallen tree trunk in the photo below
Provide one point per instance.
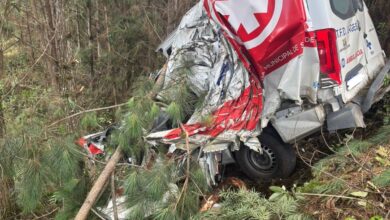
(98, 186)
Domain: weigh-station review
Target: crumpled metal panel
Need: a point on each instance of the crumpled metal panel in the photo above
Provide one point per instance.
(209, 164)
(350, 116)
(274, 43)
(299, 124)
(292, 81)
(375, 87)
(224, 66)
(206, 61)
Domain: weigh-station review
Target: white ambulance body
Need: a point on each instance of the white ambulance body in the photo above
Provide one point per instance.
(308, 65)
(359, 52)
(338, 76)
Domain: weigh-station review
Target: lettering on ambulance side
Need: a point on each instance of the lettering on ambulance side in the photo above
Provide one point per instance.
(344, 31)
(291, 52)
(355, 56)
(310, 41)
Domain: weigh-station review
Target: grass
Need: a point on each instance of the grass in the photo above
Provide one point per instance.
(352, 183)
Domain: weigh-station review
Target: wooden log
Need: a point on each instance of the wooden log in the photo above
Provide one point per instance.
(98, 186)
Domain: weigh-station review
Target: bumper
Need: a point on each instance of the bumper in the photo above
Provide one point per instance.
(377, 89)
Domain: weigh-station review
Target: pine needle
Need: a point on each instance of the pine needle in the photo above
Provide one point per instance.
(175, 112)
(383, 179)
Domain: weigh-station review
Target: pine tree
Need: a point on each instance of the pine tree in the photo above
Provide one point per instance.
(162, 188)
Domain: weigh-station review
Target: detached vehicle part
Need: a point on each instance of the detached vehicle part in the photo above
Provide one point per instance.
(94, 143)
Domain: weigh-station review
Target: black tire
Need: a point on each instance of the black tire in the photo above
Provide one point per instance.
(278, 159)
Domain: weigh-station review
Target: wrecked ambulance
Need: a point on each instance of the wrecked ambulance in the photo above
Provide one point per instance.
(271, 72)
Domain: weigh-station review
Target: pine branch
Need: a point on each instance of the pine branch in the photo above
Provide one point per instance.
(328, 195)
(185, 185)
(86, 111)
(47, 214)
(383, 179)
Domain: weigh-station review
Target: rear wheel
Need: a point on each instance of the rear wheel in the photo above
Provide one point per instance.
(277, 161)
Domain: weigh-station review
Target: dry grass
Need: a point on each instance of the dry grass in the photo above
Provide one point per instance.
(358, 177)
(6, 203)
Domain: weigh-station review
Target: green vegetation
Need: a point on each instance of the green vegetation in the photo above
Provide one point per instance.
(61, 58)
(58, 58)
(244, 204)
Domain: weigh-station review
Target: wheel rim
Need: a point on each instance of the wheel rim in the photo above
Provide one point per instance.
(265, 162)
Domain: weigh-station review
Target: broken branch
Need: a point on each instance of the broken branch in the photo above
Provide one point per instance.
(86, 111)
(98, 186)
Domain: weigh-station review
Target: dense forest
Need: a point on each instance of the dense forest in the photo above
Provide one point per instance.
(69, 68)
(62, 57)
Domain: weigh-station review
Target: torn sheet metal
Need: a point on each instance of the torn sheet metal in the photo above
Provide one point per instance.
(212, 69)
(209, 163)
(227, 55)
(273, 41)
(94, 143)
(233, 51)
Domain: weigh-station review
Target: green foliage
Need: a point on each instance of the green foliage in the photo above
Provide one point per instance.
(336, 174)
(63, 157)
(39, 161)
(71, 196)
(175, 112)
(31, 184)
(383, 29)
(327, 164)
(244, 204)
(140, 114)
(377, 217)
(44, 171)
(382, 136)
(133, 126)
(154, 112)
(324, 187)
(355, 148)
(161, 194)
(89, 121)
(383, 180)
(94, 68)
(88, 67)
(207, 120)
(165, 214)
